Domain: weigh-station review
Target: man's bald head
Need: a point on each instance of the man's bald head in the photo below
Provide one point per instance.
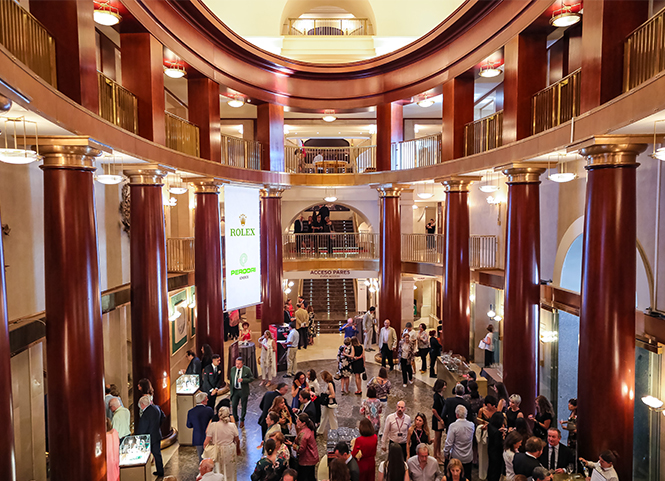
(206, 466)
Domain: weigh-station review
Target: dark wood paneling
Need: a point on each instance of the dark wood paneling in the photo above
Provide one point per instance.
(390, 289)
(457, 112)
(389, 129)
(558, 60)
(203, 98)
(574, 36)
(270, 132)
(272, 263)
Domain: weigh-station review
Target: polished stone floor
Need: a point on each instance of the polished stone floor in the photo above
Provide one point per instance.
(418, 398)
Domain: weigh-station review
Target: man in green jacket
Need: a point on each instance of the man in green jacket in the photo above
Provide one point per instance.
(240, 378)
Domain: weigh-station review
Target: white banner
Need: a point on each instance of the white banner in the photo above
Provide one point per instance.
(242, 237)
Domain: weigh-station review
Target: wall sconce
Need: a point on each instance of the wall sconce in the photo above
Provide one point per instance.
(654, 404)
(491, 313)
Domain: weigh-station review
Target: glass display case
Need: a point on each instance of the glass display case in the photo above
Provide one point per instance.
(135, 450)
(187, 384)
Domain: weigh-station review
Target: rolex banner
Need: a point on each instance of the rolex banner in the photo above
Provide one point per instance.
(242, 247)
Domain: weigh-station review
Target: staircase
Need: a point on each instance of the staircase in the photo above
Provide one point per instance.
(333, 301)
(342, 226)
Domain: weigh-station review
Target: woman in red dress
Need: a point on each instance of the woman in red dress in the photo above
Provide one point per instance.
(364, 450)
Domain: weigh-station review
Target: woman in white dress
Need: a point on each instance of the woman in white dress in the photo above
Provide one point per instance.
(224, 436)
(268, 350)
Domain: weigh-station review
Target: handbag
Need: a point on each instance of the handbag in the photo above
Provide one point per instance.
(482, 344)
(332, 403)
(210, 451)
(364, 376)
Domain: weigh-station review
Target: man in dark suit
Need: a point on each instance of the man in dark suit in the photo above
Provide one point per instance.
(449, 405)
(525, 463)
(298, 225)
(197, 420)
(266, 403)
(307, 406)
(194, 366)
(150, 423)
(342, 452)
(239, 381)
(556, 456)
(324, 212)
(212, 380)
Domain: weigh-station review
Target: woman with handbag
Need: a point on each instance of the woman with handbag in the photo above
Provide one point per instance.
(222, 445)
(328, 403)
(358, 364)
(486, 344)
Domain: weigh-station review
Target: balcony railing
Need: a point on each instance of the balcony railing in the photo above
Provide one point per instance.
(556, 104)
(416, 153)
(328, 26)
(28, 40)
(182, 135)
(422, 248)
(330, 246)
(332, 160)
(117, 104)
(180, 254)
(483, 251)
(484, 134)
(644, 52)
(241, 153)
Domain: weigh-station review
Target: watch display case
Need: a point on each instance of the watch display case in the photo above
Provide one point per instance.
(135, 450)
(187, 384)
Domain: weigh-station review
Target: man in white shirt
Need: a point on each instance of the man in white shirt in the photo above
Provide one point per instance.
(368, 328)
(318, 158)
(459, 441)
(603, 470)
(206, 471)
(387, 343)
(120, 417)
(396, 428)
(422, 466)
(292, 341)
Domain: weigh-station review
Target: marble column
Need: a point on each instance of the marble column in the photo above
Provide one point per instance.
(8, 452)
(456, 305)
(390, 262)
(75, 354)
(272, 265)
(208, 267)
(607, 313)
(151, 349)
(522, 282)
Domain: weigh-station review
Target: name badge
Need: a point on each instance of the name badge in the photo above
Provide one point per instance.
(400, 434)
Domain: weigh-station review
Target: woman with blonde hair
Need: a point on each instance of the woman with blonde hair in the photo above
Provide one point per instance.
(455, 471)
(268, 364)
(223, 435)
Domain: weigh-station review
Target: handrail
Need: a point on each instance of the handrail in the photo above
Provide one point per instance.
(117, 104)
(483, 252)
(180, 254)
(484, 134)
(328, 26)
(421, 152)
(644, 52)
(557, 103)
(423, 248)
(25, 37)
(332, 160)
(241, 153)
(182, 135)
(332, 245)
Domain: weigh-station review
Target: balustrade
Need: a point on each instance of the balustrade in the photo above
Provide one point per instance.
(117, 104)
(556, 104)
(180, 254)
(484, 134)
(328, 26)
(644, 52)
(329, 160)
(414, 153)
(330, 246)
(422, 248)
(182, 135)
(241, 153)
(483, 252)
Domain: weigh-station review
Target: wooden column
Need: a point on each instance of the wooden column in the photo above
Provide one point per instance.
(525, 73)
(71, 24)
(203, 99)
(272, 264)
(456, 272)
(75, 354)
(143, 75)
(457, 112)
(389, 129)
(151, 348)
(522, 277)
(208, 267)
(8, 452)
(607, 313)
(270, 132)
(605, 26)
(390, 262)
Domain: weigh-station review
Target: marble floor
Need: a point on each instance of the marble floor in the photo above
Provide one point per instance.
(181, 461)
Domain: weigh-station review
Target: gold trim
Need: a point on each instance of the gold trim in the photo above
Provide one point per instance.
(522, 172)
(457, 183)
(148, 175)
(63, 152)
(207, 185)
(612, 155)
(273, 191)
(390, 190)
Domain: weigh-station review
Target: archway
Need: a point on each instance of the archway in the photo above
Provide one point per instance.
(363, 224)
(357, 8)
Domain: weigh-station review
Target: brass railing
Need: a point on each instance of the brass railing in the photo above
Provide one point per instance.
(422, 248)
(556, 104)
(328, 26)
(117, 104)
(180, 254)
(182, 135)
(28, 40)
(241, 153)
(644, 52)
(330, 246)
(416, 153)
(329, 160)
(484, 134)
(483, 251)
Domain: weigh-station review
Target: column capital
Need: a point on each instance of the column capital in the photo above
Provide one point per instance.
(274, 191)
(458, 183)
(207, 185)
(389, 190)
(61, 152)
(523, 172)
(612, 155)
(153, 174)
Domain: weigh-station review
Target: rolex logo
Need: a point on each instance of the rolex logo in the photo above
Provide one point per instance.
(242, 218)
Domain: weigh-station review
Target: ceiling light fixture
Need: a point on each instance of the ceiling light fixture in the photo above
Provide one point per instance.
(427, 192)
(236, 102)
(414, 207)
(491, 314)
(565, 17)
(488, 186)
(174, 69)
(11, 130)
(652, 402)
(425, 102)
(106, 14)
(177, 186)
(561, 175)
(330, 197)
(489, 70)
(657, 153)
(329, 116)
(109, 175)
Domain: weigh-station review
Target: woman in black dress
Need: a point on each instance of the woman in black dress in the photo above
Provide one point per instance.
(495, 432)
(434, 351)
(418, 433)
(513, 412)
(543, 418)
(437, 420)
(358, 364)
